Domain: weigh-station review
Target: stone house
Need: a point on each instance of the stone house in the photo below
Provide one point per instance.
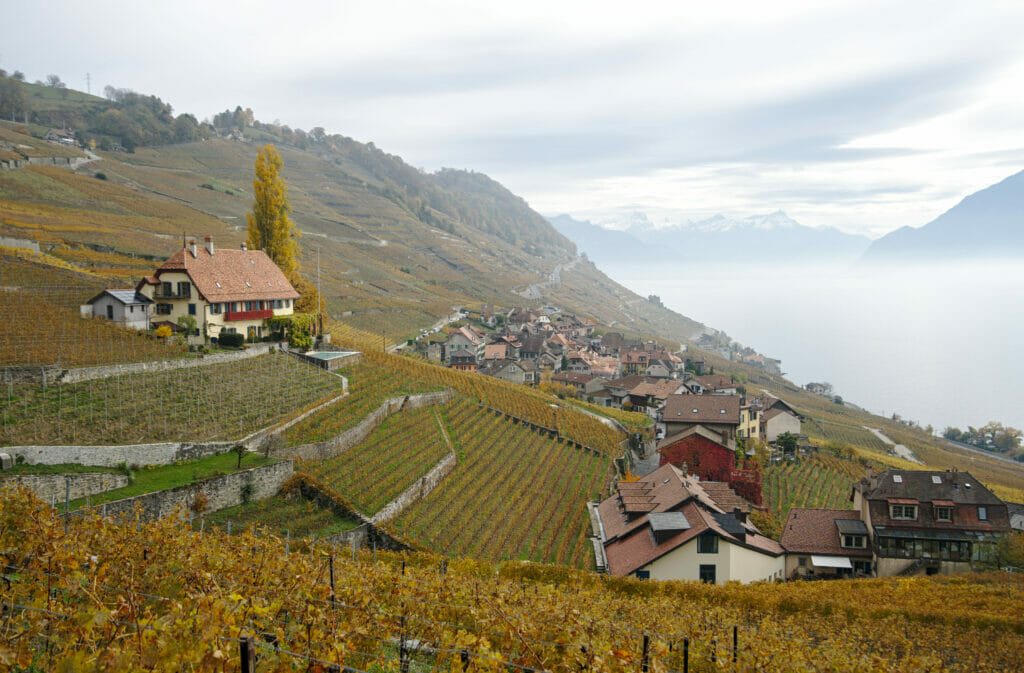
(717, 413)
(226, 291)
(935, 521)
(701, 452)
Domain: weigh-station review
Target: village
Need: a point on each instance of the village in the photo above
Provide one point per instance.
(686, 513)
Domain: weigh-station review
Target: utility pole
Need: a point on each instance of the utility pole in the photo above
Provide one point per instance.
(88, 83)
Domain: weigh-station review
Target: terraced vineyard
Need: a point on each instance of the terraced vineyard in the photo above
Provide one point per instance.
(369, 384)
(845, 434)
(216, 402)
(820, 481)
(514, 494)
(404, 448)
(283, 514)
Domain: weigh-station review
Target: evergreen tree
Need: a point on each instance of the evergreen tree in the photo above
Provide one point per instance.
(270, 229)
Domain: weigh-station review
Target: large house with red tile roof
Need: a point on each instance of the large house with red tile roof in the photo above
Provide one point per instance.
(224, 290)
(826, 543)
(671, 526)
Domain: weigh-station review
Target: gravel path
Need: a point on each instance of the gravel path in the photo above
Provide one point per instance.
(900, 450)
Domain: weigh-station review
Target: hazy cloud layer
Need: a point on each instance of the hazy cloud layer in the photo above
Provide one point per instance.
(862, 115)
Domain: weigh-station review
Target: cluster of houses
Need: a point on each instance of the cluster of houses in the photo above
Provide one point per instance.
(225, 291)
(671, 524)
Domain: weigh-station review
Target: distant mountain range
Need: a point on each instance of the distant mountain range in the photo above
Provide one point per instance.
(988, 223)
(774, 236)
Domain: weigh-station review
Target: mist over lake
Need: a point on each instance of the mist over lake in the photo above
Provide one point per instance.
(940, 344)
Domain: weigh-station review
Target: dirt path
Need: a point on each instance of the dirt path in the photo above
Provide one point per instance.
(900, 450)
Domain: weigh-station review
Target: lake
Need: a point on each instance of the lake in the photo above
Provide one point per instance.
(940, 344)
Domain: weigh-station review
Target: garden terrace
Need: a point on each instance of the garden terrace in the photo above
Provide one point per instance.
(220, 402)
(515, 493)
(401, 450)
(281, 515)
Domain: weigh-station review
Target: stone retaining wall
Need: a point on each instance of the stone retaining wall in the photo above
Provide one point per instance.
(346, 440)
(220, 492)
(419, 490)
(52, 487)
(163, 453)
(44, 374)
(90, 373)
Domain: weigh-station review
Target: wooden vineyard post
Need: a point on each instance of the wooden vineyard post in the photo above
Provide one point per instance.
(645, 660)
(686, 655)
(735, 643)
(247, 653)
(332, 578)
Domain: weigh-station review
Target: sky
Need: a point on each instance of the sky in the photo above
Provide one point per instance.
(861, 115)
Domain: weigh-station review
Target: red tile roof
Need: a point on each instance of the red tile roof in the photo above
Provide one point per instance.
(231, 275)
(814, 531)
(624, 518)
(702, 409)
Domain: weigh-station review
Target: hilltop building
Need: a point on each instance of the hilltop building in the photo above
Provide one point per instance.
(226, 291)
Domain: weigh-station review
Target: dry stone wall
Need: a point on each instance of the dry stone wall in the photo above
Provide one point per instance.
(52, 487)
(219, 492)
(163, 453)
(91, 373)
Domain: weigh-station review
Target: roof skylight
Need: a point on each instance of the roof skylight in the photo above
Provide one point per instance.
(897, 478)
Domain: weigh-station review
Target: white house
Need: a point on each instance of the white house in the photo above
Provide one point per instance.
(671, 526)
(126, 307)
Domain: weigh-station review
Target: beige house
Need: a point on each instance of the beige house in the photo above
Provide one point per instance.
(750, 422)
(224, 290)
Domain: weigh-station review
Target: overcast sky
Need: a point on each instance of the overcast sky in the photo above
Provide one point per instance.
(862, 115)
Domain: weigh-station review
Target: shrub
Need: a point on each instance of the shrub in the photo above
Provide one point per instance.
(231, 339)
(101, 176)
(163, 331)
(300, 340)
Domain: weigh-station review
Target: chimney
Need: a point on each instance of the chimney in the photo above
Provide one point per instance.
(192, 247)
(209, 245)
(244, 248)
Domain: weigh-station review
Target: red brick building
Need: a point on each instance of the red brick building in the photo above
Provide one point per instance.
(702, 452)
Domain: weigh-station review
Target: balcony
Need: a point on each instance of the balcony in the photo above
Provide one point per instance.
(160, 294)
(248, 315)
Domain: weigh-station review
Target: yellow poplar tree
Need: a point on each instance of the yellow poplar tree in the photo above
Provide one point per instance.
(270, 229)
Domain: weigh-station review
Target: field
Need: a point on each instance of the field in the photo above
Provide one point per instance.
(369, 385)
(107, 597)
(216, 402)
(514, 494)
(404, 448)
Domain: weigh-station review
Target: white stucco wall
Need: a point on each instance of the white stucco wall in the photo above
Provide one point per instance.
(732, 563)
(779, 424)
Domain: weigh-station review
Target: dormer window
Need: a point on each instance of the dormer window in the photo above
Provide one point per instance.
(903, 512)
(855, 541)
(943, 513)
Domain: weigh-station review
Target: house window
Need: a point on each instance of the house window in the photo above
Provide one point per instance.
(983, 514)
(943, 513)
(707, 544)
(163, 309)
(854, 541)
(215, 308)
(903, 512)
(862, 567)
(643, 574)
(110, 312)
(707, 574)
(801, 561)
(191, 309)
(184, 288)
(165, 289)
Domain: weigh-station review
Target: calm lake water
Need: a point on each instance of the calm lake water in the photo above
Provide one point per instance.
(941, 344)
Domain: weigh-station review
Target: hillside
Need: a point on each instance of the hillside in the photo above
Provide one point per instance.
(987, 224)
(162, 597)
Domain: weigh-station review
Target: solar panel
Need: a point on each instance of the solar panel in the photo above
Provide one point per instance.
(936, 479)
(897, 478)
(668, 521)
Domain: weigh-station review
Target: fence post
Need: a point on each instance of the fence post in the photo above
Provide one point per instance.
(735, 642)
(229, 526)
(332, 577)
(714, 646)
(686, 655)
(403, 658)
(288, 541)
(247, 653)
(645, 661)
(464, 654)
(67, 498)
